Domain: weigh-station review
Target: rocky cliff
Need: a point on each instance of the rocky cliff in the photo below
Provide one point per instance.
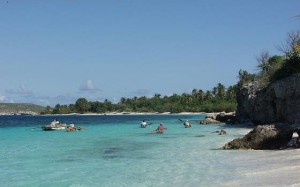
(279, 102)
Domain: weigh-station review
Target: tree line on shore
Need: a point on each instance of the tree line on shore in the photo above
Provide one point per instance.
(219, 98)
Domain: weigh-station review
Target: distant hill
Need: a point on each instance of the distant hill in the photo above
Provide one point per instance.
(20, 108)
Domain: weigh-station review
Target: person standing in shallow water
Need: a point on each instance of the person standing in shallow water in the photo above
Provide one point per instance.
(143, 124)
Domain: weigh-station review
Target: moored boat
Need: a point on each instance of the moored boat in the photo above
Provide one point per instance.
(50, 128)
(54, 125)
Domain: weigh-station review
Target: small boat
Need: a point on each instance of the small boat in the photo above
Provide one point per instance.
(51, 128)
(54, 125)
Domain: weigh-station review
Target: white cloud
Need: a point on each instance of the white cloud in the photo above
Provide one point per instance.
(88, 86)
(22, 90)
(2, 98)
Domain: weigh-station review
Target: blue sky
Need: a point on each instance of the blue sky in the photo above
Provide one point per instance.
(56, 51)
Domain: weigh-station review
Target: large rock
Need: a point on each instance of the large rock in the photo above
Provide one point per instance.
(262, 137)
(209, 120)
(280, 102)
(228, 118)
(218, 117)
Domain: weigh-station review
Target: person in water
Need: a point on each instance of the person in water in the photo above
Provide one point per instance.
(160, 129)
(71, 127)
(54, 123)
(187, 124)
(143, 124)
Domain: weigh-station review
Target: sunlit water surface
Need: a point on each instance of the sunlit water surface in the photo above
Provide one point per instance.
(114, 151)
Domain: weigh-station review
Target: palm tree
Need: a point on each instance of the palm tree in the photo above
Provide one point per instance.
(201, 95)
(208, 95)
(231, 93)
(157, 95)
(220, 91)
(122, 100)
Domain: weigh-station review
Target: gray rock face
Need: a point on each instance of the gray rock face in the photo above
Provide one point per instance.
(263, 137)
(280, 102)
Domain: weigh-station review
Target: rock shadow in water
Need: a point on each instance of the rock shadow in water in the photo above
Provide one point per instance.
(199, 136)
(168, 137)
(115, 149)
(69, 160)
(112, 153)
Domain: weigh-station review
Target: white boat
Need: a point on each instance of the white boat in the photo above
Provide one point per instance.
(50, 128)
(55, 125)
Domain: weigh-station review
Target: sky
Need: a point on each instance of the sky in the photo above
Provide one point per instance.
(56, 51)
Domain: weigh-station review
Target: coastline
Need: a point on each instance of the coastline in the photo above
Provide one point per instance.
(142, 113)
(110, 113)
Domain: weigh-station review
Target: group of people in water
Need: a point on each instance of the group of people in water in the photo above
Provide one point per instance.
(72, 128)
(55, 124)
(160, 129)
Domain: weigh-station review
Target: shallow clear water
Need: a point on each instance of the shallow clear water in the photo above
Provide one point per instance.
(114, 151)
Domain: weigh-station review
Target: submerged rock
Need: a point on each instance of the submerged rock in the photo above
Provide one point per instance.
(262, 137)
(222, 132)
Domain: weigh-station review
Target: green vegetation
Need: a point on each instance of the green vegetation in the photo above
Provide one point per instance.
(273, 68)
(291, 63)
(216, 100)
(20, 108)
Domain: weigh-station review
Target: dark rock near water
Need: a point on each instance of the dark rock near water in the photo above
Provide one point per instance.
(228, 118)
(222, 132)
(274, 136)
(209, 121)
(217, 118)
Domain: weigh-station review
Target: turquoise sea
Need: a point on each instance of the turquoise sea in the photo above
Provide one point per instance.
(113, 151)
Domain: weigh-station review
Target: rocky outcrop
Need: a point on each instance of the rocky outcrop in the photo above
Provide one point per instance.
(209, 120)
(274, 136)
(228, 118)
(217, 118)
(278, 105)
(280, 102)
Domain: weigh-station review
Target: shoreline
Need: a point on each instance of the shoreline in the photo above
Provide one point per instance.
(109, 114)
(211, 115)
